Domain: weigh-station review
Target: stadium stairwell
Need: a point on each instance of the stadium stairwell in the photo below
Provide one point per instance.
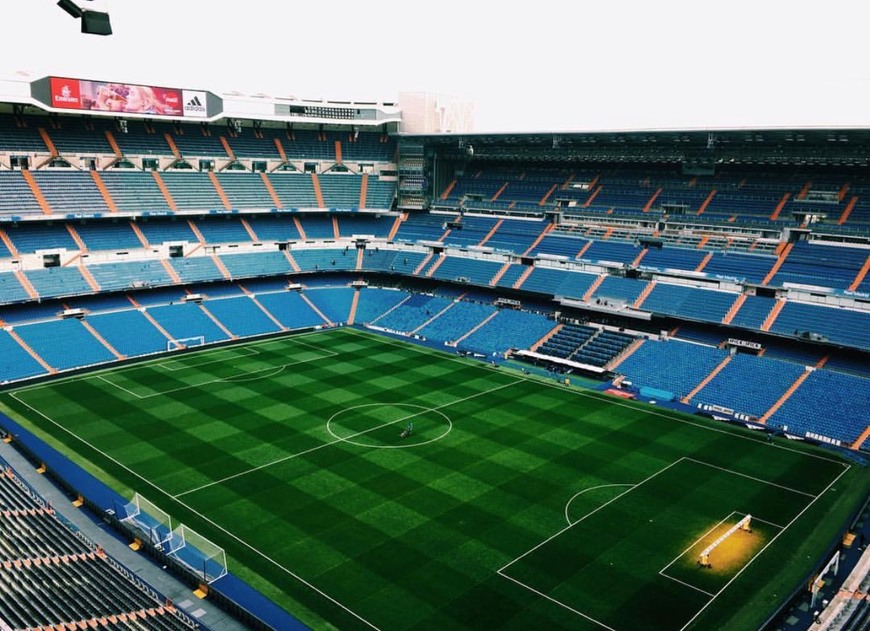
(354, 303)
(217, 322)
(139, 234)
(166, 194)
(785, 395)
(583, 250)
(547, 195)
(779, 207)
(155, 323)
(363, 190)
(802, 194)
(300, 229)
(592, 196)
(435, 266)
(445, 234)
(265, 311)
(778, 263)
(272, 192)
(396, 225)
(639, 257)
(315, 309)
(75, 237)
(336, 233)
(107, 197)
(89, 278)
(501, 272)
(249, 229)
(597, 283)
(8, 243)
(101, 339)
(841, 194)
(704, 262)
(652, 200)
(774, 312)
(860, 440)
(436, 316)
(114, 144)
(423, 264)
(706, 202)
(31, 352)
(37, 193)
(25, 282)
(393, 308)
(49, 144)
(491, 232)
(848, 210)
(476, 327)
(172, 147)
(547, 229)
(220, 191)
(628, 352)
(223, 268)
(280, 147)
(861, 275)
(643, 295)
(499, 192)
(317, 192)
(226, 145)
(707, 379)
(523, 277)
(292, 261)
(360, 256)
(738, 302)
(176, 279)
(338, 152)
(448, 190)
(534, 347)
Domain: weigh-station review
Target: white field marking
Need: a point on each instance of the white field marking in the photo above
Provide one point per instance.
(339, 440)
(697, 541)
(588, 395)
(769, 523)
(589, 514)
(112, 383)
(743, 475)
(161, 357)
(229, 534)
(252, 375)
(767, 545)
(558, 602)
(697, 589)
(578, 494)
(423, 410)
(232, 352)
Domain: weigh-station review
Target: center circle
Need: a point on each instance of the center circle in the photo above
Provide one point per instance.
(382, 425)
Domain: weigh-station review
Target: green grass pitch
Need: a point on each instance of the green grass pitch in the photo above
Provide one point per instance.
(514, 504)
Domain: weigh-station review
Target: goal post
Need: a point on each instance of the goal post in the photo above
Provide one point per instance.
(185, 342)
(744, 524)
(155, 524)
(204, 558)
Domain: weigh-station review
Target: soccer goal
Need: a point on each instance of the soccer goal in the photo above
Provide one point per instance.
(744, 524)
(185, 342)
(154, 523)
(206, 559)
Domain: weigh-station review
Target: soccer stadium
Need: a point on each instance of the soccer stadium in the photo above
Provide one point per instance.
(279, 364)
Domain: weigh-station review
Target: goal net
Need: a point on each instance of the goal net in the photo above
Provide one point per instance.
(185, 342)
(744, 524)
(155, 524)
(206, 559)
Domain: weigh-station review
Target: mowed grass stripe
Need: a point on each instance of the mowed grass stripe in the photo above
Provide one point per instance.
(427, 526)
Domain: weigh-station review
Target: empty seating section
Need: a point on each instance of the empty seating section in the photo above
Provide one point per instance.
(508, 329)
(134, 191)
(827, 403)
(366, 146)
(114, 276)
(186, 320)
(515, 235)
(395, 261)
(196, 268)
(32, 237)
(616, 289)
(753, 312)
(316, 259)
(585, 345)
(362, 224)
(18, 137)
(295, 190)
(548, 280)
(333, 302)
(307, 143)
(159, 231)
(70, 192)
(567, 341)
(64, 344)
(193, 142)
(256, 264)
(317, 227)
(53, 282)
(458, 320)
(742, 267)
(129, 332)
(241, 316)
(192, 191)
(689, 302)
(413, 313)
(470, 231)
(513, 273)
(467, 270)
(423, 227)
(15, 362)
(33, 311)
(824, 265)
(672, 258)
(108, 235)
(749, 384)
(245, 190)
(52, 578)
(611, 251)
(380, 194)
(10, 289)
(374, 302)
(274, 227)
(841, 326)
(672, 366)
(340, 190)
(222, 230)
(17, 198)
(290, 309)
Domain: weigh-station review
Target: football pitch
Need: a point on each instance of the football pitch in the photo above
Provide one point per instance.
(363, 482)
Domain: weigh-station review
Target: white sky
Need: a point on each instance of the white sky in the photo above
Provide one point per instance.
(544, 65)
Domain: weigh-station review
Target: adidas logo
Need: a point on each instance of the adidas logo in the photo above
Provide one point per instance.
(194, 102)
(194, 105)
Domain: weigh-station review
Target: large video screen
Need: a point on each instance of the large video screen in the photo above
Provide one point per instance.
(103, 96)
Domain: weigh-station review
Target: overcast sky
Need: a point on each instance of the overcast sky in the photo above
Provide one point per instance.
(541, 65)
